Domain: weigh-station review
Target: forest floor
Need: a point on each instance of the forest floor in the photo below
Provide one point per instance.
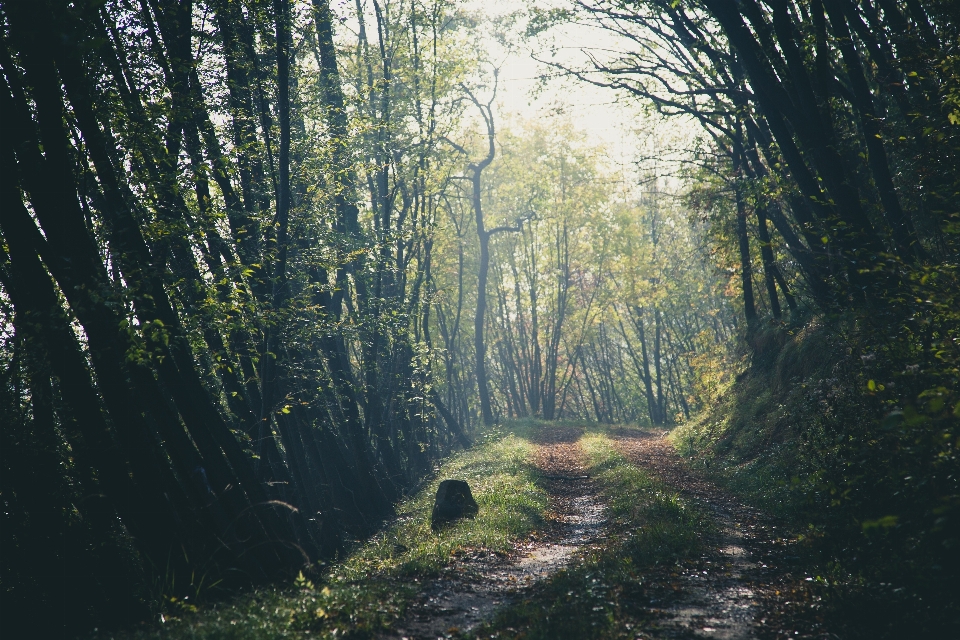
(741, 585)
(583, 532)
(736, 583)
(476, 584)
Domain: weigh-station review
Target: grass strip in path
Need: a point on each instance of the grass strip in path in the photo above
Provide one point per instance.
(470, 591)
(615, 589)
(366, 594)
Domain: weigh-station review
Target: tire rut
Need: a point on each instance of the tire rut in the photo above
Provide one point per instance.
(724, 593)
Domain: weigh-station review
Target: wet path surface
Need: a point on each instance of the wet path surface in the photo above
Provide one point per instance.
(477, 584)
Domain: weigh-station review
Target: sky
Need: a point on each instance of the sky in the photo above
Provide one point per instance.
(614, 121)
(595, 110)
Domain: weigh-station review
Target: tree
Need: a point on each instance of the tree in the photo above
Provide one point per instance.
(185, 288)
(483, 236)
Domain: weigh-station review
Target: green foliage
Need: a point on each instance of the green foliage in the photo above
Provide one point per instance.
(848, 428)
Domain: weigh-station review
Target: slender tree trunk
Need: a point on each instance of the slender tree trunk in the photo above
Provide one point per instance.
(652, 407)
(657, 356)
(746, 266)
(769, 266)
(268, 372)
(479, 344)
(483, 269)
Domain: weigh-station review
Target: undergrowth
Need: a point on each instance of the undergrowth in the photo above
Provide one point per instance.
(608, 590)
(851, 434)
(365, 594)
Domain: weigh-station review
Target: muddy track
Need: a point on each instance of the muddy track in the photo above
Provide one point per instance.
(734, 590)
(474, 585)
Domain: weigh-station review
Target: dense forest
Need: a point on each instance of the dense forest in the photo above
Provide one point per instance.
(264, 263)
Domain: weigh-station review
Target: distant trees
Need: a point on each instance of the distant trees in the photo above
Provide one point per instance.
(603, 303)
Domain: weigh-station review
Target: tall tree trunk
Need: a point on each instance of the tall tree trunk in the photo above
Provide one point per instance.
(769, 266)
(479, 345)
(268, 374)
(483, 269)
(743, 241)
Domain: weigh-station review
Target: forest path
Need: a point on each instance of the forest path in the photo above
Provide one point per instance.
(475, 585)
(734, 590)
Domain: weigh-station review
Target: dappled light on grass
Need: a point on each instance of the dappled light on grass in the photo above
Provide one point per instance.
(371, 589)
(605, 593)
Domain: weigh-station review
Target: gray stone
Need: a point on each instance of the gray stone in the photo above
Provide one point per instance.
(454, 501)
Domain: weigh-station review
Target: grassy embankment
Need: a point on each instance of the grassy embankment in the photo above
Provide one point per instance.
(852, 438)
(607, 590)
(372, 587)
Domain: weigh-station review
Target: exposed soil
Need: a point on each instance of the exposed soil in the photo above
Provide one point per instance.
(734, 590)
(476, 584)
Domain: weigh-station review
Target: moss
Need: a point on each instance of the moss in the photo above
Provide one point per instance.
(763, 439)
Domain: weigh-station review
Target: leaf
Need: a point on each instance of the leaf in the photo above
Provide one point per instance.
(302, 582)
(886, 522)
(872, 385)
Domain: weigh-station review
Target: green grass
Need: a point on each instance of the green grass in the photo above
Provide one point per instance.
(370, 590)
(606, 591)
(768, 473)
(771, 435)
(503, 482)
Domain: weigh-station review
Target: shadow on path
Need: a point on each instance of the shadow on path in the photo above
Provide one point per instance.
(726, 594)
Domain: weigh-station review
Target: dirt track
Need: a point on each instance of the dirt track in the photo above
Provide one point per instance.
(739, 587)
(475, 585)
(730, 592)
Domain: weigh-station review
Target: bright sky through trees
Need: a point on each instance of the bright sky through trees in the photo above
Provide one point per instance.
(531, 89)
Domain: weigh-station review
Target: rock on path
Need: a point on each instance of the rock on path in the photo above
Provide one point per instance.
(475, 585)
